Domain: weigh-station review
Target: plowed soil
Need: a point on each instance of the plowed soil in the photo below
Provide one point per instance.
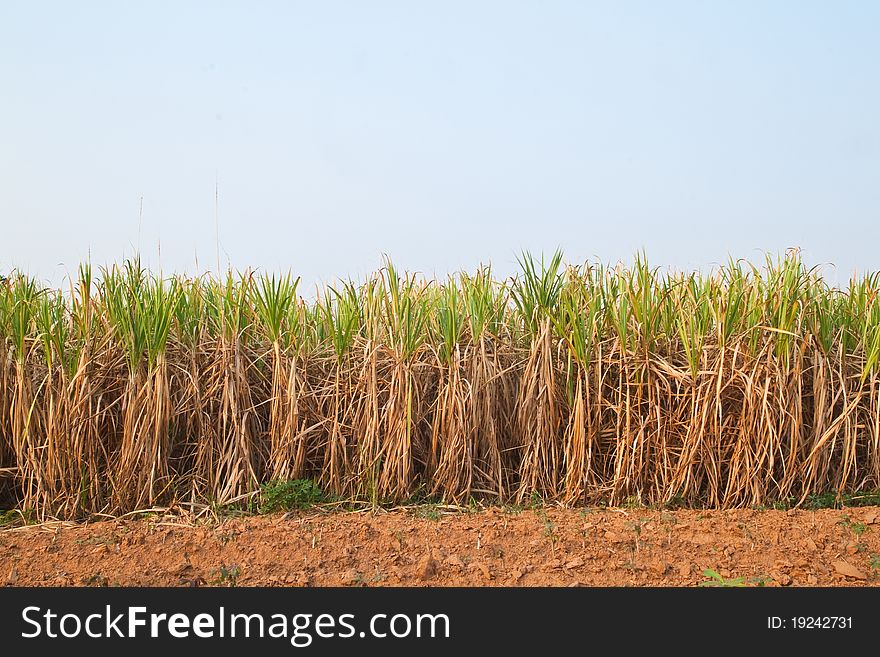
(431, 547)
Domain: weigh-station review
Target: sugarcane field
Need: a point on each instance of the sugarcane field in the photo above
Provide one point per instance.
(438, 328)
(568, 425)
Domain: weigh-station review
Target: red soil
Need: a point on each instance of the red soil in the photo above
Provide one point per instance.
(421, 547)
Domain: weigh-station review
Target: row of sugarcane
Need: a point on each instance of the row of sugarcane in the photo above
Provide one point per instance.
(574, 384)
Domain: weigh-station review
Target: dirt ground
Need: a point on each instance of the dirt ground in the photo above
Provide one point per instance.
(433, 547)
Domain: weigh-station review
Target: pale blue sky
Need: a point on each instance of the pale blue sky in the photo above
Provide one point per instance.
(442, 133)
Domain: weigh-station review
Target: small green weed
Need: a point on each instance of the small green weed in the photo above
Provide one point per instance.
(857, 528)
(16, 517)
(288, 495)
(817, 501)
(428, 512)
(632, 502)
(715, 579)
(227, 576)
